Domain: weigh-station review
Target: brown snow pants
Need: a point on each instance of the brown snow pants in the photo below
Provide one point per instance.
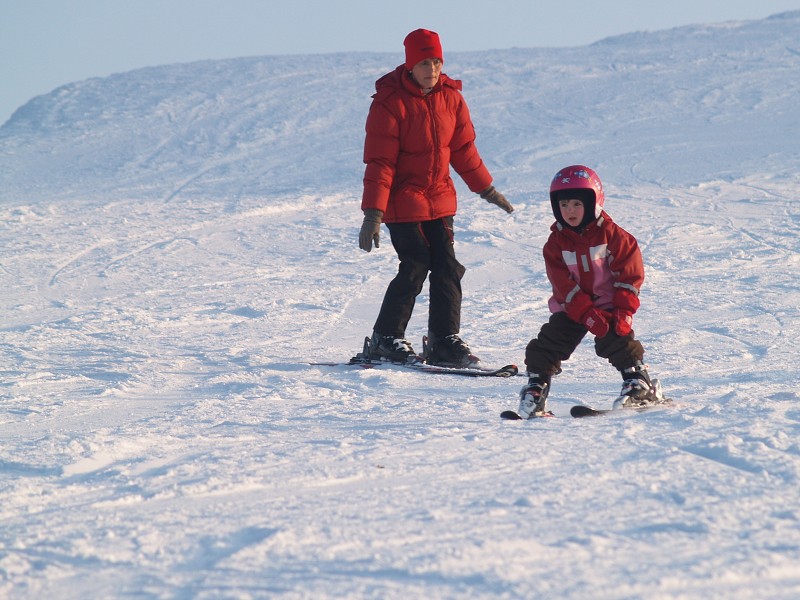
(560, 336)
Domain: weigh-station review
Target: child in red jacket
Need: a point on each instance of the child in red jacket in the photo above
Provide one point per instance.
(596, 270)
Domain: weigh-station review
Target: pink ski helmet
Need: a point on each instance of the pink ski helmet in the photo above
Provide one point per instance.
(574, 178)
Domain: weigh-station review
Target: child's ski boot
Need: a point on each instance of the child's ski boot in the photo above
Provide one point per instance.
(638, 390)
(533, 397)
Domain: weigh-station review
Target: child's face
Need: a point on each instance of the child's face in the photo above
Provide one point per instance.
(572, 211)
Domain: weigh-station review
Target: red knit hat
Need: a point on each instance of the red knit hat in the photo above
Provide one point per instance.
(422, 44)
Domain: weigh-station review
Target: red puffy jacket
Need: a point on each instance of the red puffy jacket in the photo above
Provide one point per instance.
(412, 139)
(600, 267)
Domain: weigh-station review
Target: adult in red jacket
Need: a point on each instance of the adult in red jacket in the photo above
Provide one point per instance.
(418, 126)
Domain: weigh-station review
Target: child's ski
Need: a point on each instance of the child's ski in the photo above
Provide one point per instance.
(510, 415)
(580, 410)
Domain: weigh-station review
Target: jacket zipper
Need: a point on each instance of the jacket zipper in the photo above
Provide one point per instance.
(435, 138)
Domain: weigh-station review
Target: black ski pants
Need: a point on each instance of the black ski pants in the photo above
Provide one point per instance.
(425, 247)
(560, 336)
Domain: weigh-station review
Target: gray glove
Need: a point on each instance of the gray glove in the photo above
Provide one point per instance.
(492, 195)
(370, 229)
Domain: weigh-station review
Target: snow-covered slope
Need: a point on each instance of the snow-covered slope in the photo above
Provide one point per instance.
(177, 242)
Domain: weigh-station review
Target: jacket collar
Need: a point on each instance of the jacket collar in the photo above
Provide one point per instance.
(592, 226)
(401, 78)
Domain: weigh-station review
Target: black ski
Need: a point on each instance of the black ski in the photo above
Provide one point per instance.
(506, 371)
(363, 360)
(510, 415)
(579, 410)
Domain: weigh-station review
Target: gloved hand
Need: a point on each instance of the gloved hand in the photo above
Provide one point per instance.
(623, 321)
(596, 321)
(626, 303)
(492, 195)
(370, 229)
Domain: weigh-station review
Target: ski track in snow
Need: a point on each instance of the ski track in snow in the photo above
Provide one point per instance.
(179, 242)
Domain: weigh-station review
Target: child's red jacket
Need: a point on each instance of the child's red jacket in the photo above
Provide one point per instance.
(601, 267)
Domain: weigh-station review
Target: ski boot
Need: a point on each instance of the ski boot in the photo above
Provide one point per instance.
(391, 348)
(448, 351)
(638, 390)
(533, 397)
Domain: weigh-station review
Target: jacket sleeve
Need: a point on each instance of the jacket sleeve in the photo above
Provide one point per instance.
(464, 154)
(567, 294)
(627, 268)
(381, 149)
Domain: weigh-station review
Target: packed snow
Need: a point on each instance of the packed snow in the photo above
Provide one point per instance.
(179, 242)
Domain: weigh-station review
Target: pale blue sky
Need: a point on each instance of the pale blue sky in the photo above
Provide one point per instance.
(48, 43)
